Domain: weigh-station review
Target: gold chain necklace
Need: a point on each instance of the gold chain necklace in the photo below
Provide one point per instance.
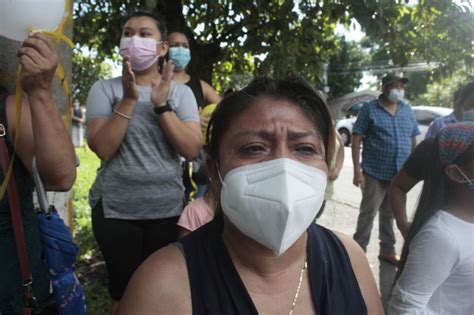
(293, 305)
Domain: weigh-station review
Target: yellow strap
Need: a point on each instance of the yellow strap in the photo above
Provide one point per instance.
(193, 184)
(58, 35)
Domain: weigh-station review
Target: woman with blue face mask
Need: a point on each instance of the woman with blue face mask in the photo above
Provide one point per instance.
(179, 52)
(436, 272)
(269, 146)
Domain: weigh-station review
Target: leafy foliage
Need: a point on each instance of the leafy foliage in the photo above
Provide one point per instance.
(437, 31)
(285, 38)
(85, 71)
(417, 86)
(349, 55)
(441, 93)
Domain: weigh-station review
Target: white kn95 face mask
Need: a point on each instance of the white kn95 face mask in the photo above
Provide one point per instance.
(273, 202)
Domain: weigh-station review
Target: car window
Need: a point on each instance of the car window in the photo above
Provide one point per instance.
(424, 117)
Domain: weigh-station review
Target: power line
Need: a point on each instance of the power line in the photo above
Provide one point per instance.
(373, 68)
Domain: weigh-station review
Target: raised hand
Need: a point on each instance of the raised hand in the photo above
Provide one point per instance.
(130, 89)
(39, 59)
(159, 92)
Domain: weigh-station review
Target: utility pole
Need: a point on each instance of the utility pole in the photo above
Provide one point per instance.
(325, 78)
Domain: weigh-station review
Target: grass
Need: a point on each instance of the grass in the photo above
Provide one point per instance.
(90, 266)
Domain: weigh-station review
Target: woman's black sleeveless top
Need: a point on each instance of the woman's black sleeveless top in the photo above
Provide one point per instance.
(195, 84)
(216, 287)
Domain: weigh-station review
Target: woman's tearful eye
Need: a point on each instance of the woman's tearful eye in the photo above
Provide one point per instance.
(253, 149)
(309, 151)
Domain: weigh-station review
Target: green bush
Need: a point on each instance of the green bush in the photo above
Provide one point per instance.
(90, 265)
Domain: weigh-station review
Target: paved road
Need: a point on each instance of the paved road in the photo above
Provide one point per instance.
(341, 215)
(345, 192)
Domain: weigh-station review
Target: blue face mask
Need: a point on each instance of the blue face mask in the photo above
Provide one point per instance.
(396, 95)
(180, 56)
(468, 116)
(469, 182)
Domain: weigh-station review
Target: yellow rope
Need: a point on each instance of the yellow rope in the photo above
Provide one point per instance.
(193, 184)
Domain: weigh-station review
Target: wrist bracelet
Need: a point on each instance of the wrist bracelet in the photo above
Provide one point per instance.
(122, 114)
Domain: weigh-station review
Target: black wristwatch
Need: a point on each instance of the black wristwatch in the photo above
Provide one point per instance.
(161, 109)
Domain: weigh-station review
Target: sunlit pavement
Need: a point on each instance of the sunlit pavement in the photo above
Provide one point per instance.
(341, 215)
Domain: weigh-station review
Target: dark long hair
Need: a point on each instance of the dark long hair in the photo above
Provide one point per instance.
(467, 92)
(155, 15)
(296, 90)
(435, 195)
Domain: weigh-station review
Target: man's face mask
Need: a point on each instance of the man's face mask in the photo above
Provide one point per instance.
(396, 95)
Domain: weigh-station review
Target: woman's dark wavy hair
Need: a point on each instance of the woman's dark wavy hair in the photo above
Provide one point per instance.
(296, 90)
(437, 189)
(466, 92)
(178, 29)
(155, 15)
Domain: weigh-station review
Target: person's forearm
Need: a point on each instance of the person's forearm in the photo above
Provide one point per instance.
(106, 139)
(398, 200)
(185, 140)
(356, 154)
(340, 159)
(53, 148)
(397, 194)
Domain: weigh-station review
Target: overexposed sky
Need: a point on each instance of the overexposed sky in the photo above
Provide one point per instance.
(351, 33)
(355, 33)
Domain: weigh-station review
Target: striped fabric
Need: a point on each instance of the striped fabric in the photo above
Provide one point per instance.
(454, 140)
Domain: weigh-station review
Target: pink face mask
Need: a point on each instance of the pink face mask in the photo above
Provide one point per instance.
(142, 51)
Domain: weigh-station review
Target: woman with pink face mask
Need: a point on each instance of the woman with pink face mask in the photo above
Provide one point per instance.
(139, 125)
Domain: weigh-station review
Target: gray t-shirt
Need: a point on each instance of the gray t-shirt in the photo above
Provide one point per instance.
(143, 179)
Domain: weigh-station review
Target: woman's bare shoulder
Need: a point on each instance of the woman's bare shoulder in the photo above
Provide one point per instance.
(159, 286)
(364, 275)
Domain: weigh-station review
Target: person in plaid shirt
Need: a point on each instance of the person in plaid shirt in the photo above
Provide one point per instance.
(387, 128)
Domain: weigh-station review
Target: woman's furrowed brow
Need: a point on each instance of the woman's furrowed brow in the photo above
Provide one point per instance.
(303, 134)
(268, 134)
